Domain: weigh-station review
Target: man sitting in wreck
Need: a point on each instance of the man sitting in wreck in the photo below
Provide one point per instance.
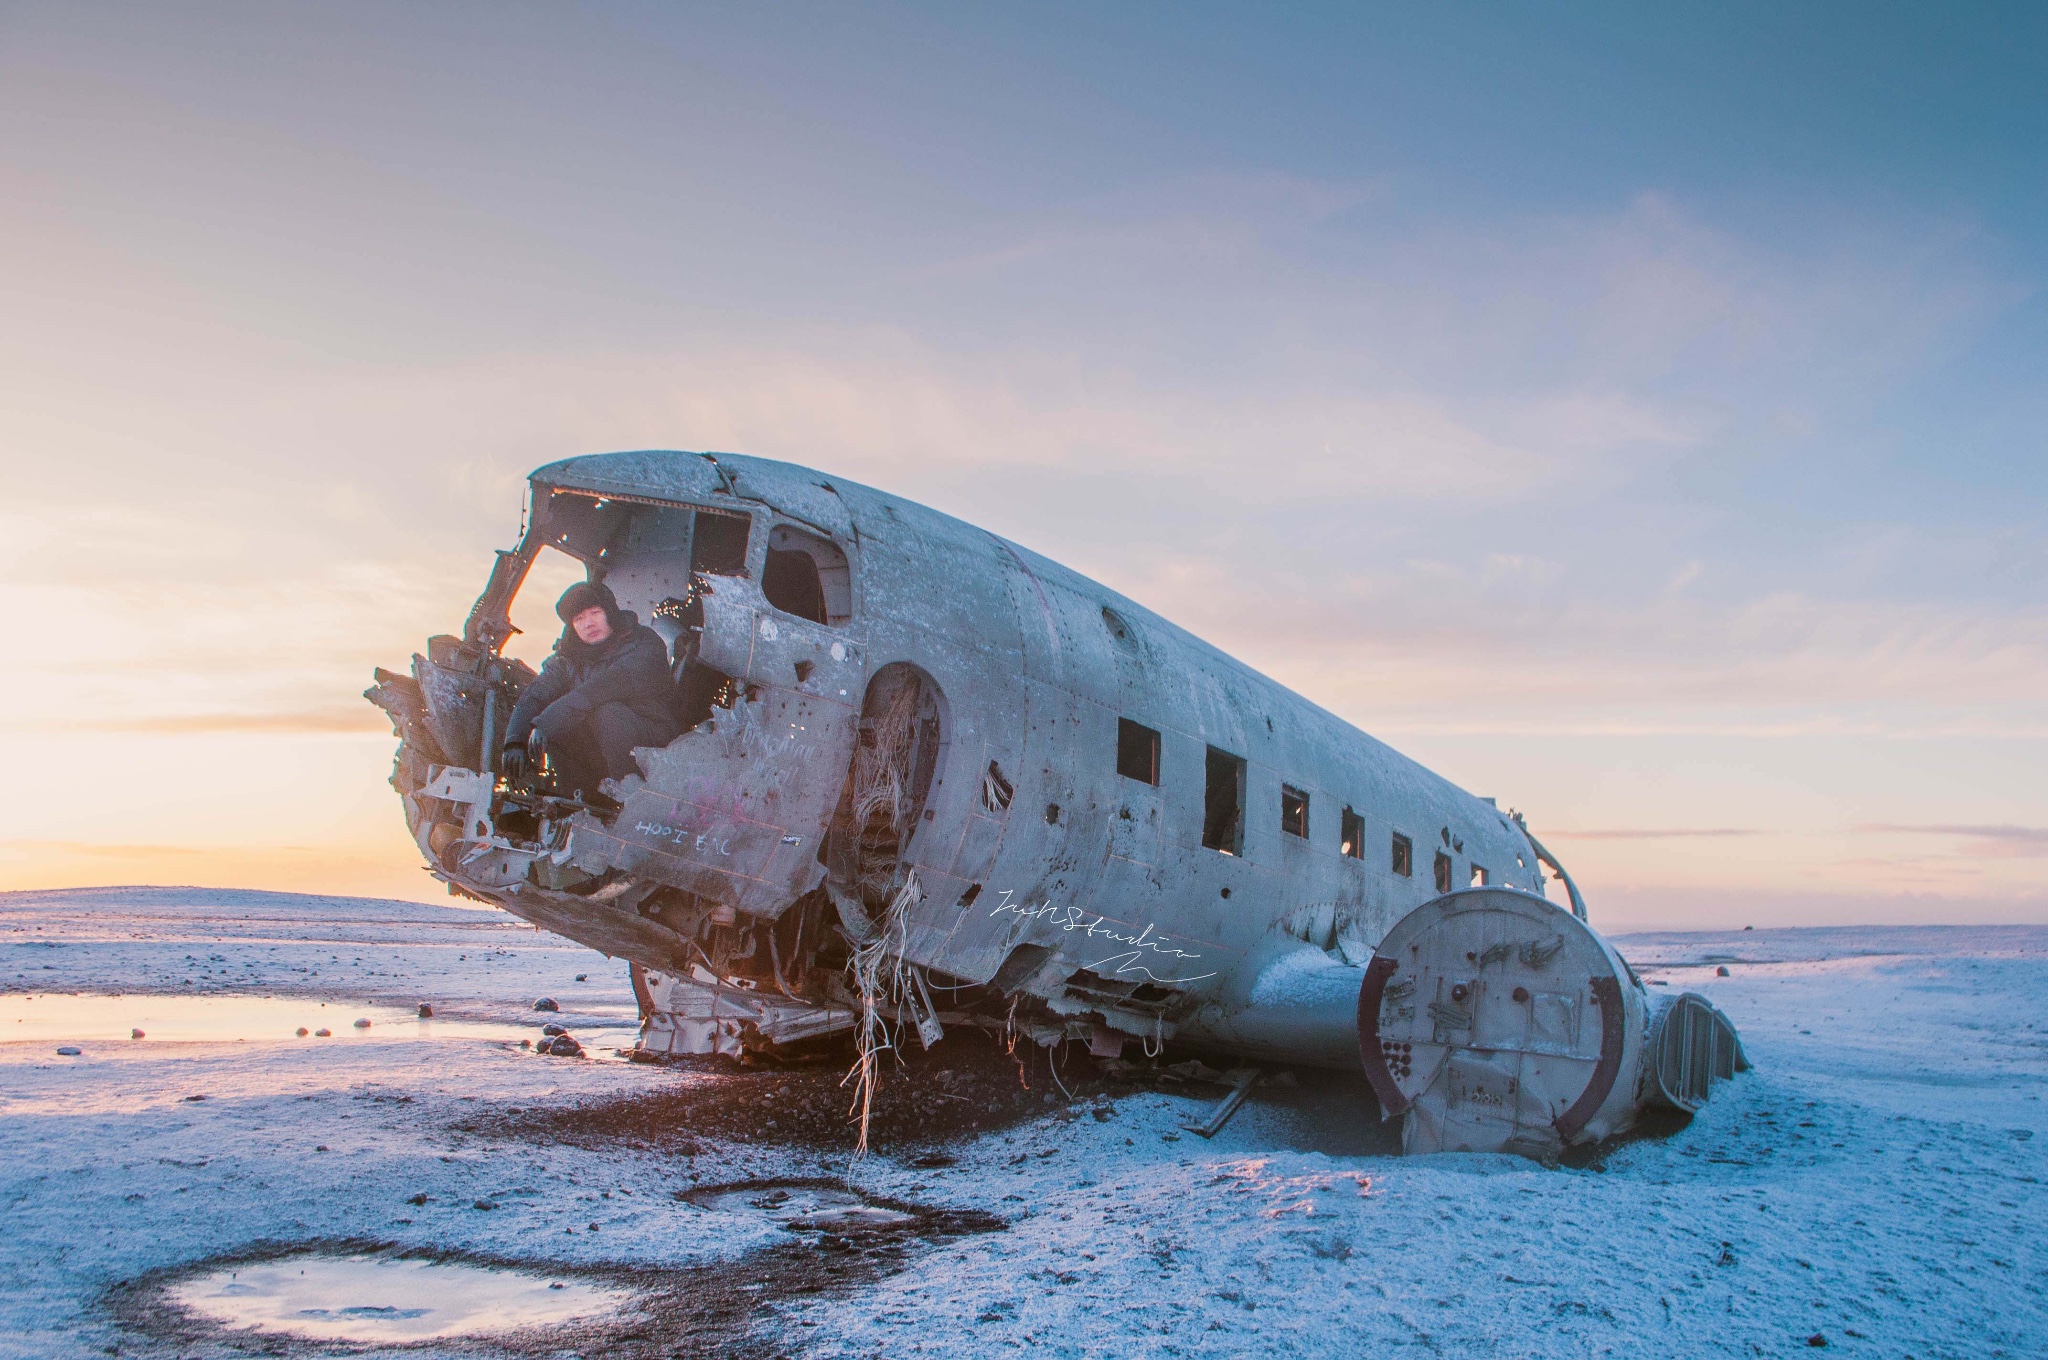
(605, 691)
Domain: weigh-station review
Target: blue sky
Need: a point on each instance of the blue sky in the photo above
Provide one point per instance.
(1633, 412)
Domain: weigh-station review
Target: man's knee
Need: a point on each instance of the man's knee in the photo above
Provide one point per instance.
(618, 729)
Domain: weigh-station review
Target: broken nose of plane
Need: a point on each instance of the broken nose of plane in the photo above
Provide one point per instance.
(1493, 1021)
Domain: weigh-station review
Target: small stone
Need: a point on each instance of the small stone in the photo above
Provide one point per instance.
(526, 1043)
(195, 1097)
(303, 1031)
(418, 1200)
(484, 1204)
(565, 1046)
(137, 1034)
(551, 1029)
(546, 1003)
(362, 1024)
(320, 1147)
(68, 1052)
(1722, 971)
(1816, 1340)
(426, 1011)
(323, 1033)
(583, 977)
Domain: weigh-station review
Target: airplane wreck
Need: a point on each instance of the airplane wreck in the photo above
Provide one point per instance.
(928, 779)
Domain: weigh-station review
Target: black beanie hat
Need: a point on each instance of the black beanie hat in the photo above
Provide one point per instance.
(585, 594)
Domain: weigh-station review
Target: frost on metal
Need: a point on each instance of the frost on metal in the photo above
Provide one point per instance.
(929, 779)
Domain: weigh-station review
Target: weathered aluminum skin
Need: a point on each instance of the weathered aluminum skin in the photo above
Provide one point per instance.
(1033, 868)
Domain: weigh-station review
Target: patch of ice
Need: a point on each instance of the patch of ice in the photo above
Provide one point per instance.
(85, 1018)
(380, 1300)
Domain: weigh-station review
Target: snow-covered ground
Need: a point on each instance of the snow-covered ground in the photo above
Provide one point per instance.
(1875, 1181)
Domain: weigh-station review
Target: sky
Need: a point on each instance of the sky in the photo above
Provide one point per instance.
(1635, 413)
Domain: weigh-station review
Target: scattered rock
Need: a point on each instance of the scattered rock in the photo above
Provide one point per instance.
(546, 1003)
(68, 1052)
(323, 1033)
(419, 1199)
(1816, 1340)
(426, 1011)
(303, 1031)
(362, 1024)
(137, 1034)
(320, 1147)
(564, 1046)
(195, 1097)
(551, 1029)
(1722, 971)
(484, 1204)
(583, 977)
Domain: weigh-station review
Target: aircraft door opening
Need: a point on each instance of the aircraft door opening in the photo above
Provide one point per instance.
(895, 760)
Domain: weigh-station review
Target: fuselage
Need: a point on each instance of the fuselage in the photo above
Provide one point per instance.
(1103, 812)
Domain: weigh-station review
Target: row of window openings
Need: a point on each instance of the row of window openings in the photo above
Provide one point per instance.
(1137, 757)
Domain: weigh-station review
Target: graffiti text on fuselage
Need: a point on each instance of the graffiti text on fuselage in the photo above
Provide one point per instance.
(661, 831)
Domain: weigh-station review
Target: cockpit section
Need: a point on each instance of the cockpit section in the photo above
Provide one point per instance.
(752, 610)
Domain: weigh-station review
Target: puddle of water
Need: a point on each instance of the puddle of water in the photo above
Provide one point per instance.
(378, 1300)
(802, 1208)
(62, 1017)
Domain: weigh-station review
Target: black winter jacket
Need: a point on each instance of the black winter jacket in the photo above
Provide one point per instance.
(630, 667)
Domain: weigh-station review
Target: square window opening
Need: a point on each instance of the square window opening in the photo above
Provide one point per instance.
(806, 576)
(1404, 856)
(719, 546)
(1443, 872)
(1223, 803)
(1137, 751)
(1480, 878)
(1293, 811)
(1352, 841)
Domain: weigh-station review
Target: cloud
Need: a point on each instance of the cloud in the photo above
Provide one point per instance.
(1982, 840)
(312, 722)
(96, 850)
(1652, 834)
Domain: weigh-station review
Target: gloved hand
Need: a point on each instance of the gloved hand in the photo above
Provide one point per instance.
(512, 763)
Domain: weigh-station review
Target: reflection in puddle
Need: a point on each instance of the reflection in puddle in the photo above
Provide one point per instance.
(376, 1299)
(88, 1018)
(804, 1208)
